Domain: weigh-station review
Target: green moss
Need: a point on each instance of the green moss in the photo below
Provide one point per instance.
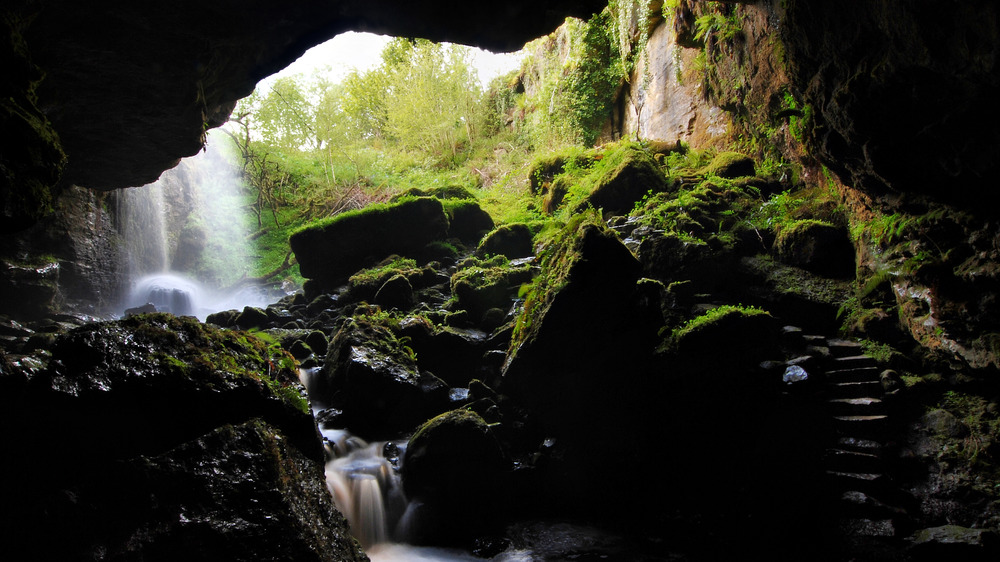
(715, 316)
(979, 415)
(201, 351)
(560, 251)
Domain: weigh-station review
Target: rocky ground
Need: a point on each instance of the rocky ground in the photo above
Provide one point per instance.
(635, 368)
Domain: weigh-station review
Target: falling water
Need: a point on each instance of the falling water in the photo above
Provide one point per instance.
(184, 237)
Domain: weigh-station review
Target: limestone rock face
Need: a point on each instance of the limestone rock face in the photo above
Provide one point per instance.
(667, 102)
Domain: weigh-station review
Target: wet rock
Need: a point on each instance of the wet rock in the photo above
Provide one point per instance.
(317, 341)
(153, 410)
(374, 379)
(144, 309)
(817, 246)
(510, 240)
(337, 247)
(455, 467)
(252, 317)
(453, 354)
(955, 543)
(29, 290)
(395, 293)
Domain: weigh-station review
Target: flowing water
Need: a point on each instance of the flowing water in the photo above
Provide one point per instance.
(185, 237)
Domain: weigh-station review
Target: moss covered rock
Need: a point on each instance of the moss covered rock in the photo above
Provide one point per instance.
(624, 175)
(817, 246)
(510, 240)
(373, 378)
(333, 249)
(455, 468)
(481, 285)
(468, 222)
(187, 442)
(730, 165)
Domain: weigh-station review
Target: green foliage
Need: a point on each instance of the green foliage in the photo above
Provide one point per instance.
(560, 252)
(977, 415)
(714, 316)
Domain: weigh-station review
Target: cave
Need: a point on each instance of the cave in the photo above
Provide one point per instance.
(887, 104)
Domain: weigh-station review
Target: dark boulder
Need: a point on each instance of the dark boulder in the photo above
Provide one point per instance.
(468, 221)
(510, 240)
(626, 179)
(455, 469)
(373, 378)
(396, 293)
(333, 249)
(186, 442)
(252, 317)
(817, 246)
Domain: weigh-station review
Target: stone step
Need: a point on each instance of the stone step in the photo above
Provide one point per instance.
(852, 362)
(841, 460)
(861, 426)
(854, 389)
(859, 406)
(864, 527)
(859, 444)
(857, 374)
(858, 503)
(844, 348)
(870, 483)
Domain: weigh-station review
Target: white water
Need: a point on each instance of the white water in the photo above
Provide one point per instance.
(185, 237)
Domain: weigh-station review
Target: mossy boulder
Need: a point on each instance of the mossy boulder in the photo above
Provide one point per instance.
(480, 285)
(455, 468)
(365, 284)
(817, 246)
(730, 165)
(584, 317)
(510, 240)
(334, 248)
(165, 416)
(395, 293)
(373, 378)
(468, 222)
(624, 176)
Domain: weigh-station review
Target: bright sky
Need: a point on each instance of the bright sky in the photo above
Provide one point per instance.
(349, 51)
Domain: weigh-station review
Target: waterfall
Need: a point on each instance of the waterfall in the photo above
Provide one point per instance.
(185, 237)
(365, 486)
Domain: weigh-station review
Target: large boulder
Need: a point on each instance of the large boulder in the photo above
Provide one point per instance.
(468, 221)
(335, 248)
(510, 240)
(456, 471)
(186, 441)
(817, 246)
(626, 175)
(584, 317)
(373, 379)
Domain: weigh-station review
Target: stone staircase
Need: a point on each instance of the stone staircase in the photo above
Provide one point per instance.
(855, 457)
